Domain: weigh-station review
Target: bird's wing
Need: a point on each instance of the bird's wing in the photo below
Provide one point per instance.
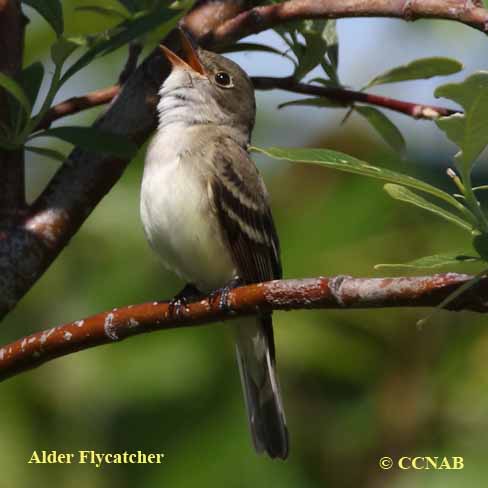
(241, 204)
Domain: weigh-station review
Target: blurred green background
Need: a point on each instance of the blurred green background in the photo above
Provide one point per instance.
(357, 385)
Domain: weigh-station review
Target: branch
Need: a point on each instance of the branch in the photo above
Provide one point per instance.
(12, 178)
(340, 292)
(79, 185)
(348, 97)
(77, 104)
(265, 17)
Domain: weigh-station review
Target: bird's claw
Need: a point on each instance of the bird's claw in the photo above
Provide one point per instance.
(222, 295)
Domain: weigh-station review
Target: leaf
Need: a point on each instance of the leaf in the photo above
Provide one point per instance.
(105, 11)
(331, 38)
(63, 48)
(385, 127)
(46, 152)
(131, 5)
(435, 261)
(469, 130)
(92, 139)
(10, 85)
(324, 82)
(253, 46)
(314, 102)
(344, 162)
(31, 80)
(51, 10)
(131, 30)
(419, 69)
(313, 52)
(403, 194)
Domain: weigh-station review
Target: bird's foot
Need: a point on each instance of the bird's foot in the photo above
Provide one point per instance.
(178, 304)
(222, 294)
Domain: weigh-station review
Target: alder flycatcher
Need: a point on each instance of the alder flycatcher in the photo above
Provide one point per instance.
(205, 212)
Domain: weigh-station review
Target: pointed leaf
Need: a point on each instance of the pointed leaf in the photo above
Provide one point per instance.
(105, 11)
(51, 10)
(131, 30)
(435, 261)
(418, 69)
(252, 46)
(10, 85)
(403, 194)
(385, 127)
(469, 130)
(63, 48)
(313, 102)
(94, 140)
(31, 80)
(344, 162)
(46, 152)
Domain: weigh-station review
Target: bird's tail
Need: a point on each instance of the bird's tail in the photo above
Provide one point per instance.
(256, 358)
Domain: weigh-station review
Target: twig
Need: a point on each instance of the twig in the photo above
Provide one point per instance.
(77, 104)
(348, 97)
(314, 293)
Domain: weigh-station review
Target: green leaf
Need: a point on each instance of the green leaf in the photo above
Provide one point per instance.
(46, 152)
(403, 194)
(385, 127)
(132, 6)
(469, 130)
(419, 69)
(129, 31)
(314, 102)
(344, 162)
(435, 261)
(10, 85)
(51, 10)
(63, 48)
(105, 11)
(253, 46)
(331, 38)
(324, 82)
(312, 54)
(93, 140)
(31, 80)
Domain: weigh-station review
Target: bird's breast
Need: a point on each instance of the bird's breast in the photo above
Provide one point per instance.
(178, 216)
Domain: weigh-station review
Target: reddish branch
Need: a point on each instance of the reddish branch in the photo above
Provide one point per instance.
(79, 185)
(348, 97)
(77, 104)
(314, 293)
(268, 16)
(12, 196)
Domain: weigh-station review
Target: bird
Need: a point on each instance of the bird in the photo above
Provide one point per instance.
(205, 211)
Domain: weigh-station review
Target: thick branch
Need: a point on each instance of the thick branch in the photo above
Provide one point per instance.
(12, 184)
(314, 293)
(265, 17)
(348, 97)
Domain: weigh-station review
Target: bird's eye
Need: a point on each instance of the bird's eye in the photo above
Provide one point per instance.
(223, 79)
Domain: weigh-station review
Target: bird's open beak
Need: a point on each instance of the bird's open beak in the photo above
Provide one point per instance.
(191, 60)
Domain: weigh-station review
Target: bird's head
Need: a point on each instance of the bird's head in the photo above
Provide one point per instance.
(208, 86)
